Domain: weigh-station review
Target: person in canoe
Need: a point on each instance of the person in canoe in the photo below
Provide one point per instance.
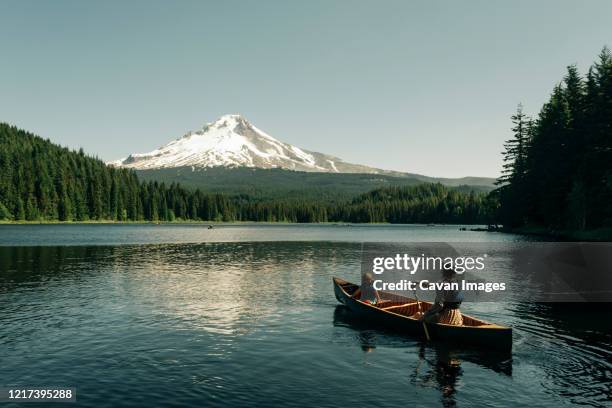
(446, 305)
(366, 292)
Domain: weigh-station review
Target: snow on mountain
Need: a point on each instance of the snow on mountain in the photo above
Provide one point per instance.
(232, 141)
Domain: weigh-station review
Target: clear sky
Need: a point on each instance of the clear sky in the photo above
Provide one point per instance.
(418, 86)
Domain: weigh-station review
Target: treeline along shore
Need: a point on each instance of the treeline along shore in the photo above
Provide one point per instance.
(557, 176)
(557, 180)
(40, 181)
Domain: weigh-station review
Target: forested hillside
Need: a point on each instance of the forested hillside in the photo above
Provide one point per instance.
(558, 171)
(275, 183)
(300, 185)
(423, 203)
(40, 181)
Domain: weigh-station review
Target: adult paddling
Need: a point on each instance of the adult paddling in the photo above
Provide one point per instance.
(447, 302)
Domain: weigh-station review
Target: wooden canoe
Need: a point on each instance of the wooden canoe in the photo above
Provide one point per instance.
(395, 311)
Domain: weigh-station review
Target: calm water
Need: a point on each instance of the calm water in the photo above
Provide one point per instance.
(245, 315)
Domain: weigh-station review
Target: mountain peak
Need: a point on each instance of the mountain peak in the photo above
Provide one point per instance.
(233, 122)
(228, 119)
(232, 141)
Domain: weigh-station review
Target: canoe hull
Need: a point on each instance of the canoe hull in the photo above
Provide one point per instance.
(488, 335)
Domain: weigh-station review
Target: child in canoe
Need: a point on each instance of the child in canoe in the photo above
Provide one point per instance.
(366, 292)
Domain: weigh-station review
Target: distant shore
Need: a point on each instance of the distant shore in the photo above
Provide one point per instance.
(144, 222)
(598, 235)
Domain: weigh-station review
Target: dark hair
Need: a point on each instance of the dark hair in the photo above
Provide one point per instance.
(448, 272)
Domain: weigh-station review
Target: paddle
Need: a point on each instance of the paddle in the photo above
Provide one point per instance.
(421, 312)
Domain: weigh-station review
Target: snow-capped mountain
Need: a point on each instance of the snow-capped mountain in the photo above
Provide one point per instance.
(232, 141)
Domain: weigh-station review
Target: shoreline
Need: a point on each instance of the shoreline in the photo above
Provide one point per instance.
(144, 222)
(595, 235)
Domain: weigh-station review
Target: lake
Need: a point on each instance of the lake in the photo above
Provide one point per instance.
(244, 315)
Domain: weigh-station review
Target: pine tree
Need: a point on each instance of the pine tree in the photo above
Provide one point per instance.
(512, 189)
(5, 214)
(567, 181)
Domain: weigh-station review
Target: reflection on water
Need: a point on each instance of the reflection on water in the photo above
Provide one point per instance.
(443, 374)
(440, 373)
(256, 323)
(369, 335)
(438, 366)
